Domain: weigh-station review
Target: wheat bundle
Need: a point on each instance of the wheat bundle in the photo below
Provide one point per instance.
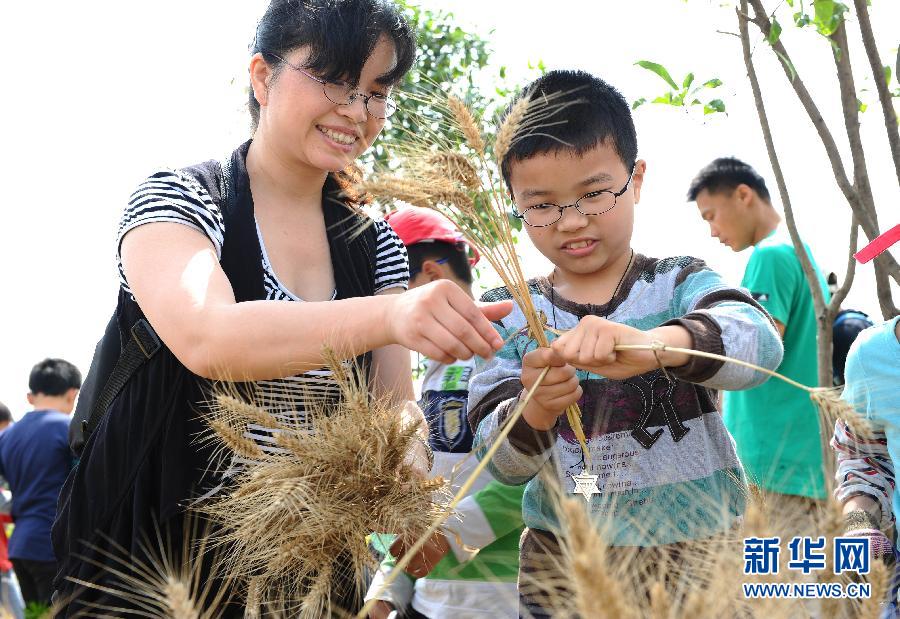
(295, 519)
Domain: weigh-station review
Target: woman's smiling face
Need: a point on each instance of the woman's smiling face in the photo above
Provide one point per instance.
(304, 124)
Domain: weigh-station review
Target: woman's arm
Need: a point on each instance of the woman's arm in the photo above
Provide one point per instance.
(391, 369)
(176, 279)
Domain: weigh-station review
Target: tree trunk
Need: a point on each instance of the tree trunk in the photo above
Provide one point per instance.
(823, 330)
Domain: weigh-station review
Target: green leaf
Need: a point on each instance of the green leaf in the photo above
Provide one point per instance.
(659, 70)
(638, 102)
(790, 3)
(862, 107)
(887, 74)
(801, 19)
(713, 83)
(688, 80)
(828, 15)
(665, 99)
(716, 105)
(774, 32)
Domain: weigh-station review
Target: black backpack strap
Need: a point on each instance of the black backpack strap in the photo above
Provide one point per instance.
(144, 343)
(138, 350)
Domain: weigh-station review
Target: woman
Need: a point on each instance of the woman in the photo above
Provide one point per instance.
(246, 269)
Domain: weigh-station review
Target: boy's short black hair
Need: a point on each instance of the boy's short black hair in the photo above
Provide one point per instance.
(454, 253)
(595, 112)
(725, 174)
(54, 377)
(5, 415)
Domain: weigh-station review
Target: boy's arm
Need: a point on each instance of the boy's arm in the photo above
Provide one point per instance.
(484, 517)
(494, 392)
(865, 470)
(726, 321)
(400, 592)
(865, 473)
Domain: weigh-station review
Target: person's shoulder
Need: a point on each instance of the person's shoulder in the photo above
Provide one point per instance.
(677, 268)
(880, 339)
(775, 247)
(166, 178)
(502, 293)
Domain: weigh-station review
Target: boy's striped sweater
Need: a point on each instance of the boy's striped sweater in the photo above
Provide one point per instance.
(667, 467)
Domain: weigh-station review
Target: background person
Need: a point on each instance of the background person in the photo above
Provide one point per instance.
(35, 460)
(469, 569)
(775, 425)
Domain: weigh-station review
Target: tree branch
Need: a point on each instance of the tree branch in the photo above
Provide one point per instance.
(884, 95)
(841, 293)
(864, 213)
(812, 279)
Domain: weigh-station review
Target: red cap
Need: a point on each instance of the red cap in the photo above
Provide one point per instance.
(880, 244)
(416, 224)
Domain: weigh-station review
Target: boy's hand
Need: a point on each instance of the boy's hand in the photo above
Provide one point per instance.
(591, 346)
(558, 391)
(430, 555)
(381, 610)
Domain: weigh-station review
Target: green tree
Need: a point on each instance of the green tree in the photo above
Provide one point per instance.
(451, 60)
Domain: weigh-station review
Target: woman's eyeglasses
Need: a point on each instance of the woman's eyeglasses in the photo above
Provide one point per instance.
(342, 93)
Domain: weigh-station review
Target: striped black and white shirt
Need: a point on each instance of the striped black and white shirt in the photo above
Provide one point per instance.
(174, 196)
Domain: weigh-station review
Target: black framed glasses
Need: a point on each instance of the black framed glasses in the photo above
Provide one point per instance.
(591, 203)
(342, 93)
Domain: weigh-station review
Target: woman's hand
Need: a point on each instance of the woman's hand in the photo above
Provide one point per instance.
(440, 321)
(559, 389)
(591, 346)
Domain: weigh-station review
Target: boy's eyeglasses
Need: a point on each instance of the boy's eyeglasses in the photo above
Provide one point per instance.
(414, 272)
(342, 93)
(591, 203)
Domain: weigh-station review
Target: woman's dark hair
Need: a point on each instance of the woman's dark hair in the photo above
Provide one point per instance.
(595, 113)
(723, 175)
(54, 377)
(341, 35)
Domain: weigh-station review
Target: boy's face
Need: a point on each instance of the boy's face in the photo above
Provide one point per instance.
(579, 244)
(728, 216)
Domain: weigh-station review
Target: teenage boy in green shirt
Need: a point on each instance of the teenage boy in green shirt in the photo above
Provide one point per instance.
(775, 425)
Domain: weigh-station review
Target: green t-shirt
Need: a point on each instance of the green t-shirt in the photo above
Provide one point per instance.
(775, 425)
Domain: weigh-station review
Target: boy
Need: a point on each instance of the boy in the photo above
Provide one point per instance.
(775, 425)
(667, 470)
(454, 581)
(35, 460)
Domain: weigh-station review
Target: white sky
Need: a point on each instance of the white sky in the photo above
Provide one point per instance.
(99, 94)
